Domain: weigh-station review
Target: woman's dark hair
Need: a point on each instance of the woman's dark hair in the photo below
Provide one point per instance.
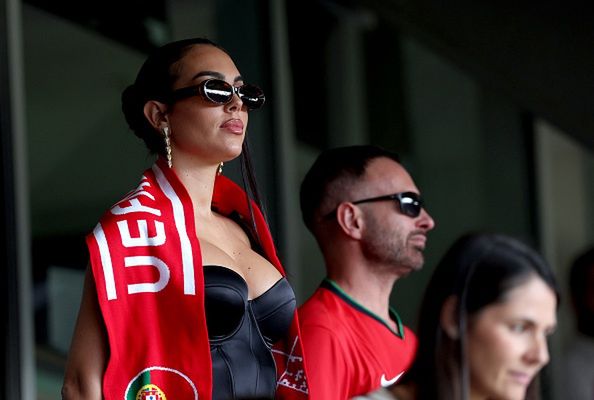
(155, 82)
(478, 270)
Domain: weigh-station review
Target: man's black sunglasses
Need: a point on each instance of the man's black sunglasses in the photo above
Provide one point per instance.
(410, 203)
(220, 92)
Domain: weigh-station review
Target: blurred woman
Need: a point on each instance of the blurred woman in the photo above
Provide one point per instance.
(185, 297)
(483, 325)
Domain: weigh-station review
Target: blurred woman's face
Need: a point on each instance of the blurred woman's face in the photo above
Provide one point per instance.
(507, 341)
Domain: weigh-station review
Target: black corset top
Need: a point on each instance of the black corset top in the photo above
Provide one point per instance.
(241, 332)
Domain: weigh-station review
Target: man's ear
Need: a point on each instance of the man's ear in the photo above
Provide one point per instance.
(448, 317)
(156, 113)
(350, 219)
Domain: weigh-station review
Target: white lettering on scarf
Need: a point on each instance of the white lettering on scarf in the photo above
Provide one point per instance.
(143, 239)
(135, 205)
(148, 287)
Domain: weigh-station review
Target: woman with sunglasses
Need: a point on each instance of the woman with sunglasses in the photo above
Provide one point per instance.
(185, 297)
(484, 321)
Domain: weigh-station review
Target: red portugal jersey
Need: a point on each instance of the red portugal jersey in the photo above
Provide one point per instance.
(349, 350)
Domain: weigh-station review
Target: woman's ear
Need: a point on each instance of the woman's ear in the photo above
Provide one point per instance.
(156, 113)
(349, 219)
(448, 317)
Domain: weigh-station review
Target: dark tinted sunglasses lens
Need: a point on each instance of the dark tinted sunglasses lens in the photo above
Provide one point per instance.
(252, 96)
(218, 91)
(410, 205)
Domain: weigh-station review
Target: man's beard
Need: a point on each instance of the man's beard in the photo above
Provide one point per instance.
(390, 247)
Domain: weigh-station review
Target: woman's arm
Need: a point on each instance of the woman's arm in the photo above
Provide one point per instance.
(88, 354)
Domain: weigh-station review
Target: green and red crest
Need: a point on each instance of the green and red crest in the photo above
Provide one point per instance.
(161, 383)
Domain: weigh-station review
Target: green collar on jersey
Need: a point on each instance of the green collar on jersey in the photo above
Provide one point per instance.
(333, 287)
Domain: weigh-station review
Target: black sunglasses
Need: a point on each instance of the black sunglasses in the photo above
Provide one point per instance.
(410, 203)
(220, 92)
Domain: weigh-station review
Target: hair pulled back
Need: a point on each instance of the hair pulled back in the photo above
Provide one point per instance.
(154, 82)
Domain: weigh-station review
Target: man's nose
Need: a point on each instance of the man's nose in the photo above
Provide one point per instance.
(425, 220)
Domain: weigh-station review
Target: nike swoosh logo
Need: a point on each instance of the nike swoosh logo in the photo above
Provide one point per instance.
(387, 382)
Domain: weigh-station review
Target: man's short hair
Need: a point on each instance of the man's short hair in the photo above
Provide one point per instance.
(330, 166)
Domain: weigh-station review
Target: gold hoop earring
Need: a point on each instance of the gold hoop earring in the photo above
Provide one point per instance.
(220, 168)
(165, 132)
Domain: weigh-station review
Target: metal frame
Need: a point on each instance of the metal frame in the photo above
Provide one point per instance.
(17, 375)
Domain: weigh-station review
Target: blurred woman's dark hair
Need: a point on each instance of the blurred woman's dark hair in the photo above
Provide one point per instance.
(478, 270)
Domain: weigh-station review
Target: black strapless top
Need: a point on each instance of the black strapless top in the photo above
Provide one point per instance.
(241, 333)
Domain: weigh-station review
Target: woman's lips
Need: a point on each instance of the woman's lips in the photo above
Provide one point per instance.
(521, 377)
(233, 125)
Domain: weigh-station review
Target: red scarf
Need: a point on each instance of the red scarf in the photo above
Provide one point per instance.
(147, 265)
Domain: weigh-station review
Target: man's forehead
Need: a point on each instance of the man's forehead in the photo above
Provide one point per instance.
(386, 174)
(379, 163)
(385, 169)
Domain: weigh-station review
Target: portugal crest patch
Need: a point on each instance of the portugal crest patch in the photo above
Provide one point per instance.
(160, 383)
(150, 392)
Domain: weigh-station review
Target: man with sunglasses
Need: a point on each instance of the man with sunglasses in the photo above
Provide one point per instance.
(367, 216)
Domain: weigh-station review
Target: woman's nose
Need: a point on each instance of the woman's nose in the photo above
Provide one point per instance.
(235, 104)
(538, 351)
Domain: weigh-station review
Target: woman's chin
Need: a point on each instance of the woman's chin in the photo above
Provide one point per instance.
(232, 153)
